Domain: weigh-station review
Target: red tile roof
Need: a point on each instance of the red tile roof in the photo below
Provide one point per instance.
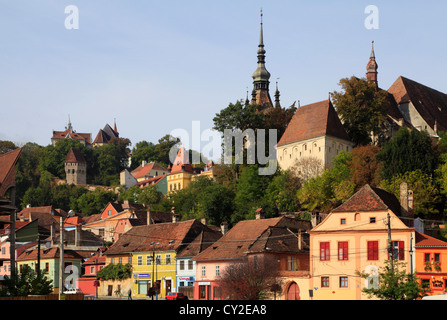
(143, 171)
(314, 120)
(423, 240)
(239, 239)
(157, 237)
(51, 253)
(370, 199)
(86, 137)
(75, 156)
(7, 169)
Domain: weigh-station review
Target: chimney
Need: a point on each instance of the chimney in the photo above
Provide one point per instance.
(175, 218)
(52, 234)
(149, 219)
(143, 163)
(203, 220)
(224, 227)
(259, 214)
(300, 240)
(77, 235)
(126, 204)
(406, 202)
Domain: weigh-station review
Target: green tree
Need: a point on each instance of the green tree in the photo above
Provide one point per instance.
(93, 202)
(361, 107)
(143, 150)
(427, 199)
(216, 204)
(330, 189)
(394, 283)
(115, 272)
(7, 146)
(27, 283)
(407, 151)
(281, 192)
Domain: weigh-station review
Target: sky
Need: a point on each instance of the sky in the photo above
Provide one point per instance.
(160, 66)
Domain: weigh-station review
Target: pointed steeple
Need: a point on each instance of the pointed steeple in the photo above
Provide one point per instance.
(371, 68)
(277, 103)
(114, 126)
(68, 126)
(261, 76)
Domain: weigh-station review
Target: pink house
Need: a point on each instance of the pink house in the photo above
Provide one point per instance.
(255, 240)
(87, 282)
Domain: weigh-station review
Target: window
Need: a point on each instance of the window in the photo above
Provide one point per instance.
(92, 269)
(149, 260)
(120, 260)
(112, 261)
(140, 260)
(217, 271)
(129, 260)
(168, 259)
(372, 220)
(190, 264)
(427, 257)
(158, 259)
(109, 212)
(47, 267)
(290, 263)
(398, 250)
(343, 221)
(324, 251)
(343, 282)
(182, 265)
(325, 282)
(373, 250)
(343, 250)
(203, 271)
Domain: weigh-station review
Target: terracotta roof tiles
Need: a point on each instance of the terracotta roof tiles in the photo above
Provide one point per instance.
(314, 120)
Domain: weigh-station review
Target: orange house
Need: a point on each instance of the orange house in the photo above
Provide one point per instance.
(431, 263)
(105, 223)
(355, 238)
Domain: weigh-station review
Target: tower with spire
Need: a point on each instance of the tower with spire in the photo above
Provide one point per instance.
(371, 68)
(260, 93)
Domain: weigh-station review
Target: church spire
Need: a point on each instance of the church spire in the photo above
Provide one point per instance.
(68, 126)
(261, 76)
(277, 103)
(371, 67)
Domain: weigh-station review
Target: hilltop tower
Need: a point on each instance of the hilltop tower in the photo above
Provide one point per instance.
(75, 168)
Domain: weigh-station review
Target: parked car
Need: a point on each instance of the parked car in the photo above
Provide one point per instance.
(176, 296)
(73, 291)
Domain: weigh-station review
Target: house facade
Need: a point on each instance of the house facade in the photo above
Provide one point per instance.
(431, 263)
(358, 236)
(250, 239)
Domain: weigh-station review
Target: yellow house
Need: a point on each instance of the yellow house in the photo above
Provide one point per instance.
(356, 237)
(182, 172)
(153, 249)
(154, 267)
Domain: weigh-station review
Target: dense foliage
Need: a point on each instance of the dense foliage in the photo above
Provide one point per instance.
(27, 283)
(115, 272)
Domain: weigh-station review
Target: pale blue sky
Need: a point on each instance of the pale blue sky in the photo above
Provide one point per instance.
(157, 66)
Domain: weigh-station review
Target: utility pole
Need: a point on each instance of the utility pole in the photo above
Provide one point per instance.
(61, 257)
(390, 244)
